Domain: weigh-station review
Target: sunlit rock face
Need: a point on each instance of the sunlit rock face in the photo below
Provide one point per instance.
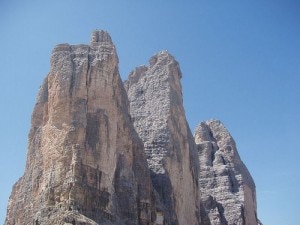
(226, 186)
(85, 162)
(101, 152)
(156, 108)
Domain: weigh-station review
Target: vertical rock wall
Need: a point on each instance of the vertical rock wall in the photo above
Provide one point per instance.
(226, 186)
(156, 107)
(89, 162)
(85, 163)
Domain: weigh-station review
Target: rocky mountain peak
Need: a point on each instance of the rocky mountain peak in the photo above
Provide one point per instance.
(160, 62)
(101, 151)
(85, 162)
(156, 107)
(100, 36)
(227, 189)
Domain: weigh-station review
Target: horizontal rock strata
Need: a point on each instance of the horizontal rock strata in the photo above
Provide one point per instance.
(156, 107)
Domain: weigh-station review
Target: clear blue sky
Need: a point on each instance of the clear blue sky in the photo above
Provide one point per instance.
(240, 62)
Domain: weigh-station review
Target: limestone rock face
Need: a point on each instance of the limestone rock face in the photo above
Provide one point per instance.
(102, 154)
(226, 186)
(156, 108)
(85, 162)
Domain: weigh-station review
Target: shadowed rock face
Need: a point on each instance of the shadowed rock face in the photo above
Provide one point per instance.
(156, 107)
(226, 186)
(85, 162)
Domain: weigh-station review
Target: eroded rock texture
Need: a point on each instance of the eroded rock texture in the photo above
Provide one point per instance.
(89, 162)
(85, 162)
(226, 186)
(156, 107)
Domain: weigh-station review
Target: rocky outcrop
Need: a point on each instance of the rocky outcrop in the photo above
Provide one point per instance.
(85, 162)
(99, 153)
(227, 188)
(156, 108)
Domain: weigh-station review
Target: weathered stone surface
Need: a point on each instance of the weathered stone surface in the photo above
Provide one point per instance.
(89, 162)
(156, 107)
(85, 162)
(227, 189)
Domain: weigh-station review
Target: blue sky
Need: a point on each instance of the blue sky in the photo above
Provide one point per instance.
(240, 64)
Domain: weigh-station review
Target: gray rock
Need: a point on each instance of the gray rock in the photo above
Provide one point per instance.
(227, 188)
(85, 162)
(99, 155)
(156, 108)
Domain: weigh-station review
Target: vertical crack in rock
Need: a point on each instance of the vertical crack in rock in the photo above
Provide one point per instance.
(85, 162)
(156, 108)
(226, 186)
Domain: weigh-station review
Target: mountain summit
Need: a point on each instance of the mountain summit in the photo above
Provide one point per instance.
(104, 152)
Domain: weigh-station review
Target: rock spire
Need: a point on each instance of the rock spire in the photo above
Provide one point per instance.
(226, 187)
(156, 107)
(85, 162)
(104, 152)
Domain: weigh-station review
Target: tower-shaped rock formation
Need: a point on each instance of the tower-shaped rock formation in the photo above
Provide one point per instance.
(156, 107)
(227, 189)
(100, 156)
(85, 162)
